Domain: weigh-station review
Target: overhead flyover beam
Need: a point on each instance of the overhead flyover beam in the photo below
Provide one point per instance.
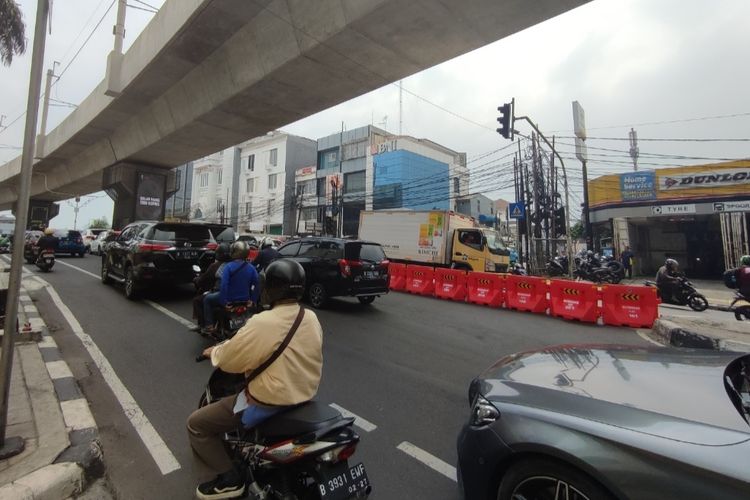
(205, 75)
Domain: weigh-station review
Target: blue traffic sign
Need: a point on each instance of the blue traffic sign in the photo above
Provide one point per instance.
(516, 210)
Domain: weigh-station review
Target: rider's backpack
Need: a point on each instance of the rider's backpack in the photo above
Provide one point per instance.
(730, 278)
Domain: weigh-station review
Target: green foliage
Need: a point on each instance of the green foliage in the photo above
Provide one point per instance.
(99, 223)
(576, 232)
(12, 31)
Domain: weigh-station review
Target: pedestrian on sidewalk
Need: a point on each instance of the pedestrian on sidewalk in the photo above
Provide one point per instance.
(627, 261)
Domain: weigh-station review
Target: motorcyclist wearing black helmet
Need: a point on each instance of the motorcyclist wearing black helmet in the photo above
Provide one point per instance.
(668, 279)
(207, 282)
(291, 379)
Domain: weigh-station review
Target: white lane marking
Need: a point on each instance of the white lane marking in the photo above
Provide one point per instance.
(156, 446)
(153, 304)
(429, 460)
(360, 422)
(644, 335)
(58, 369)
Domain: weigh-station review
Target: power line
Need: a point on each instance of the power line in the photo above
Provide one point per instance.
(85, 42)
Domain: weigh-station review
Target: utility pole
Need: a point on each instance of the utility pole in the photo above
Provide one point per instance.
(634, 148)
(579, 127)
(400, 106)
(14, 445)
(42, 137)
(75, 211)
(114, 60)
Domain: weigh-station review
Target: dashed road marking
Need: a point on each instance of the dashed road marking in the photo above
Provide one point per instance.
(429, 460)
(360, 422)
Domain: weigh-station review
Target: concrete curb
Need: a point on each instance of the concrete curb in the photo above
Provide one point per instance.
(671, 334)
(82, 461)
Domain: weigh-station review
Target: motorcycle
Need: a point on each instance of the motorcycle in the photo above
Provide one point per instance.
(230, 318)
(557, 266)
(589, 271)
(518, 270)
(615, 267)
(686, 295)
(299, 453)
(743, 310)
(45, 259)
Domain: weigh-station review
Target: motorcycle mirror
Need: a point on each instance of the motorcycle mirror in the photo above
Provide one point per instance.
(196, 268)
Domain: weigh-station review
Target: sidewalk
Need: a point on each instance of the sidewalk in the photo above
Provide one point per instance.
(718, 296)
(46, 409)
(702, 332)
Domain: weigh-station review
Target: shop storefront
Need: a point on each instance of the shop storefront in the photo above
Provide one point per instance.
(698, 215)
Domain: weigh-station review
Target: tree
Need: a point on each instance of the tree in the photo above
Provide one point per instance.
(12, 30)
(99, 223)
(576, 232)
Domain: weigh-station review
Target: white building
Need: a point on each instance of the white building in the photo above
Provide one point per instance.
(251, 185)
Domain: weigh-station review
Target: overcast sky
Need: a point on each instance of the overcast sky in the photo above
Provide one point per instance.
(636, 63)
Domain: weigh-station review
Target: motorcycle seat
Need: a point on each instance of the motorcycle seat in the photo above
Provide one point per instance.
(303, 419)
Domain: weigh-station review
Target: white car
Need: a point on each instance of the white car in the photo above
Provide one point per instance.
(89, 235)
(96, 245)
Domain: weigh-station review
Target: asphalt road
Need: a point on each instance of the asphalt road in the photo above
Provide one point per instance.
(403, 364)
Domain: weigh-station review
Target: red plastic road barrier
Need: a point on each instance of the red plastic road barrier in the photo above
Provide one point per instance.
(396, 276)
(450, 284)
(486, 289)
(419, 280)
(634, 306)
(574, 300)
(526, 293)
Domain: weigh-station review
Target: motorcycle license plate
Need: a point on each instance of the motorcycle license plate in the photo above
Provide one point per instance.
(48, 260)
(237, 323)
(343, 484)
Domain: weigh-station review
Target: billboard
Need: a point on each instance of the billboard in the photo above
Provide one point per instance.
(681, 184)
(638, 186)
(149, 197)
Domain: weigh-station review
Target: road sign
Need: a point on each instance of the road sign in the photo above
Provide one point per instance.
(516, 210)
(732, 206)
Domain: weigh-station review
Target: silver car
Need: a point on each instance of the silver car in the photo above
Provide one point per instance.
(602, 422)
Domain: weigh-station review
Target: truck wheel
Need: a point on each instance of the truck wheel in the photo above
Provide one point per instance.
(317, 295)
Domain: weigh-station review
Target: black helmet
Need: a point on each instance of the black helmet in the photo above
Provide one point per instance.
(239, 250)
(222, 252)
(671, 264)
(284, 279)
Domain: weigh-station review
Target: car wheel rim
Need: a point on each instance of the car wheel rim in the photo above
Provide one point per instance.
(316, 295)
(546, 488)
(104, 271)
(129, 283)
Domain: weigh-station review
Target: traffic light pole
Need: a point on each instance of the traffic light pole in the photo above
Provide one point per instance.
(565, 185)
(586, 219)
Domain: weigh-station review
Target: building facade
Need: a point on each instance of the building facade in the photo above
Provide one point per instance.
(251, 185)
(369, 169)
(177, 206)
(697, 215)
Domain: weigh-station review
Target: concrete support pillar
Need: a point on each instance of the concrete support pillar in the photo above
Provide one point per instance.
(40, 213)
(139, 192)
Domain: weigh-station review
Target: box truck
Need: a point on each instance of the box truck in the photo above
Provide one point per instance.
(435, 238)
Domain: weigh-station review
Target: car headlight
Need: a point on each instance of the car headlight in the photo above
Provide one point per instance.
(483, 412)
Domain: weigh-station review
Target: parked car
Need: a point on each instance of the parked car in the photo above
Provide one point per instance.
(146, 253)
(89, 235)
(102, 239)
(606, 422)
(336, 267)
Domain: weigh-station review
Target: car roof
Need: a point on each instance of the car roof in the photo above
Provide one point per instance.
(332, 238)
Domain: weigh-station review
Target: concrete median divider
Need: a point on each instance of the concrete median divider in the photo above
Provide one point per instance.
(628, 305)
(450, 284)
(487, 289)
(420, 280)
(396, 276)
(527, 293)
(577, 300)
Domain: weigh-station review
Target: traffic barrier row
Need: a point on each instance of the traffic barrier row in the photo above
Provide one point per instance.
(616, 305)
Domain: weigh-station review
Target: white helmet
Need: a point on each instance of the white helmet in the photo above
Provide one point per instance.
(266, 242)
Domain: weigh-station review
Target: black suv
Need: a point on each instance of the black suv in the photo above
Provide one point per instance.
(336, 267)
(164, 252)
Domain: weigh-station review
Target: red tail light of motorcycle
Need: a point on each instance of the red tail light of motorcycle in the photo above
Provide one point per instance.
(339, 454)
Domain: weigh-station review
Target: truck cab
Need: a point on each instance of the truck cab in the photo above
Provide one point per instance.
(479, 249)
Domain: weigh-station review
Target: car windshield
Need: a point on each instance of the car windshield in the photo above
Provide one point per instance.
(494, 243)
(175, 232)
(370, 252)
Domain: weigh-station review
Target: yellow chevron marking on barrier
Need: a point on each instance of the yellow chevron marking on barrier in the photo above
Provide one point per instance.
(449, 277)
(524, 284)
(484, 281)
(418, 274)
(630, 296)
(571, 291)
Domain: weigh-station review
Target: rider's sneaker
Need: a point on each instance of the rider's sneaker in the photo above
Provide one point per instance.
(223, 486)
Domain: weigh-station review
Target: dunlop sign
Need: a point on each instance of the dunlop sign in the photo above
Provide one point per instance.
(710, 178)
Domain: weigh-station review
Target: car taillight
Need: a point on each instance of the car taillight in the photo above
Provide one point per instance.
(79, 240)
(345, 266)
(384, 264)
(212, 246)
(152, 247)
